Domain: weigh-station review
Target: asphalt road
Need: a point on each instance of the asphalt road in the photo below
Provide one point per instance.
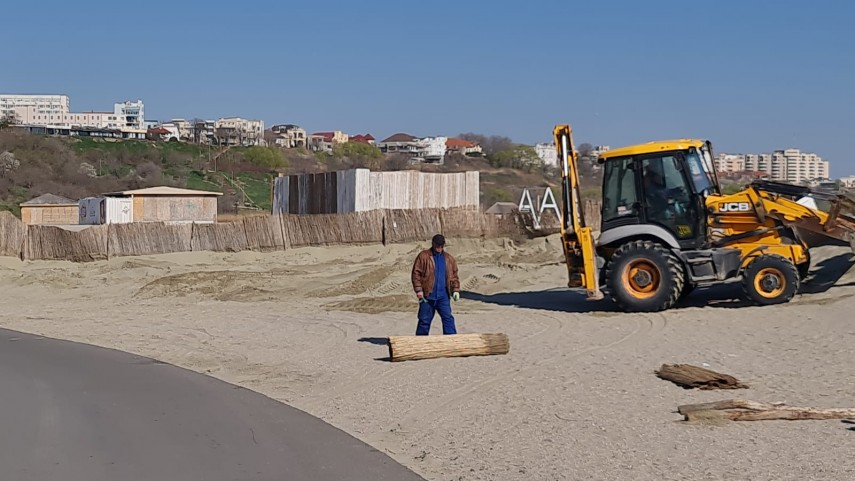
(74, 412)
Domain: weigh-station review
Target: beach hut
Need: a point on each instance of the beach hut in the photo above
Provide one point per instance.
(171, 204)
(49, 209)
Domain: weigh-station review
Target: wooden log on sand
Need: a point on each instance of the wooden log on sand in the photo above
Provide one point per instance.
(689, 377)
(744, 410)
(411, 348)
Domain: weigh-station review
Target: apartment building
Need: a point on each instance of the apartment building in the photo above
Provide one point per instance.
(848, 181)
(399, 143)
(335, 137)
(41, 105)
(788, 165)
(289, 136)
(204, 131)
(432, 149)
(325, 141)
(239, 131)
(426, 149)
(184, 128)
(130, 115)
(730, 163)
(54, 110)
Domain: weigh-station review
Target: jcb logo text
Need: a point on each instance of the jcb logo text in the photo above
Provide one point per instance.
(735, 207)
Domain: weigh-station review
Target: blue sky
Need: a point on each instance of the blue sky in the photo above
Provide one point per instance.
(752, 76)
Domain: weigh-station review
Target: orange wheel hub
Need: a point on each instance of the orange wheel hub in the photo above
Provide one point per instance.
(641, 278)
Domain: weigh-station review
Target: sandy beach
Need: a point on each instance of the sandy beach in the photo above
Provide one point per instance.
(575, 399)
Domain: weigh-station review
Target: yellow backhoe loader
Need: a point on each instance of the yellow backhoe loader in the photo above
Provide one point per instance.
(667, 228)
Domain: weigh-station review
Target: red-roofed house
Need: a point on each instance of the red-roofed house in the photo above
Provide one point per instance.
(163, 133)
(362, 139)
(324, 141)
(462, 146)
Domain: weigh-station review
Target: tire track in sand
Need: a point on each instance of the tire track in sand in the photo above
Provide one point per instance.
(644, 326)
(370, 378)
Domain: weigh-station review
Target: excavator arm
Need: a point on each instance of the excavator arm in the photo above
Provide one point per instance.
(577, 237)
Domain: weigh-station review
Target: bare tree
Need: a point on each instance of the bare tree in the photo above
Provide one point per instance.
(200, 129)
(491, 145)
(8, 120)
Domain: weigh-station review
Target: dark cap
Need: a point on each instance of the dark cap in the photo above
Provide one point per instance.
(438, 240)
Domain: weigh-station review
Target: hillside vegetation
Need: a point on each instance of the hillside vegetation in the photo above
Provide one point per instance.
(32, 165)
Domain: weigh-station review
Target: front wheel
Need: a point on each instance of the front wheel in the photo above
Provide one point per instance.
(644, 276)
(770, 279)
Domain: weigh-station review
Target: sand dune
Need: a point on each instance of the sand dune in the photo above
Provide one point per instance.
(575, 398)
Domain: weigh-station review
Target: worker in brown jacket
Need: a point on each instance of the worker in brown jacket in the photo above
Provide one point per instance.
(435, 281)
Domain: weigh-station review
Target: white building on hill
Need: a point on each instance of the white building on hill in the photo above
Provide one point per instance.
(55, 111)
(547, 153)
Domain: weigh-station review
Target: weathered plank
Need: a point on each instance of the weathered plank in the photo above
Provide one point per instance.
(411, 348)
(745, 410)
(691, 377)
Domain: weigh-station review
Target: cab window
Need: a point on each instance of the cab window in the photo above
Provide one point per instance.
(619, 195)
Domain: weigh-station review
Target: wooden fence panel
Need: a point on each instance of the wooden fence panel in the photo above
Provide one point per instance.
(363, 227)
(13, 235)
(462, 223)
(148, 238)
(593, 214)
(333, 229)
(264, 233)
(411, 225)
(54, 243)
(292, 231)
(225, 237)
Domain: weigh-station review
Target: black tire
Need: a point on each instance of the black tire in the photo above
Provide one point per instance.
(770, 279)
(790, 238)
(658, 281)
(804, 268)
(688, 288)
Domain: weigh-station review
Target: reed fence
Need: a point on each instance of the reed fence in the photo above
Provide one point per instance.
(261, 233)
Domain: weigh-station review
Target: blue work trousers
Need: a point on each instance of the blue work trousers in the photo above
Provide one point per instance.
(428, 309)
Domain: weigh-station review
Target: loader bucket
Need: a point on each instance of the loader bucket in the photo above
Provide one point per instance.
(812, 239)
(838, 228)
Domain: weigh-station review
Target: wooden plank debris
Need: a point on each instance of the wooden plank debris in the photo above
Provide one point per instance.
(691, 377)
(745, 410)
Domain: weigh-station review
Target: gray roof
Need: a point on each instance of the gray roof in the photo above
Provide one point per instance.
(163, 190)
(50, 199)
(502, 208)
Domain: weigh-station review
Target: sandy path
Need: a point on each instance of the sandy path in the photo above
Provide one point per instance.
(575, 398)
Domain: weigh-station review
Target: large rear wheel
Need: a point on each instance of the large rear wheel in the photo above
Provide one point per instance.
(644, 276)
(770, 279)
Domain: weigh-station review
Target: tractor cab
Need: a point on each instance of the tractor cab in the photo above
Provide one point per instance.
(658, 186)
